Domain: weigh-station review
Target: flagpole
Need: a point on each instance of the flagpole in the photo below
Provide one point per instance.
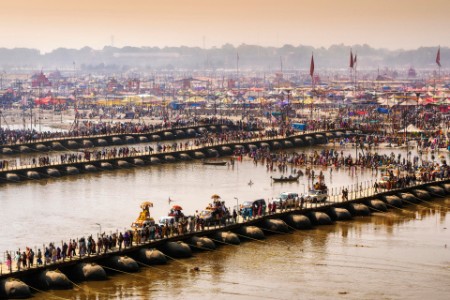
(356, 72)
(281, 65)
(239, 84)
(439, 63)
(237, 67)
(311, 73)
(439, 73)
(352, 81)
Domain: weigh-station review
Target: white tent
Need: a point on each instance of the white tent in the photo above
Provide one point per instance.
(411, 128)
(408, 102)
(387, 102)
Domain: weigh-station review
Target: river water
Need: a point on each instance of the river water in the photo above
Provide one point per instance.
(397, 255)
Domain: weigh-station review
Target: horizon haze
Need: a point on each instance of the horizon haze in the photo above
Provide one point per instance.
(50, 24)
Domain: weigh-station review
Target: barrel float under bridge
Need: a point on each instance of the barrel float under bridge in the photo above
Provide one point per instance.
(87, 272)
(251, 232)
(101, 142)
(319, 218)
(151, 257)
(436, 191)
(41, 148)
(408, 198)
(12, 288)
(339, 214)
(376, 205)
(7, 150)
(421, 194)
(176, 249)
(25, 149)
(56, 146)
(53, 279)
(87, 144)
(202, 243)
(298, 221)
(33, 175)
(393, 200)
(226, 237)
(121, 263)
(275, 226)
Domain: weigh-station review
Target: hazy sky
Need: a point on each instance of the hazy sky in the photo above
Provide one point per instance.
(393, 24)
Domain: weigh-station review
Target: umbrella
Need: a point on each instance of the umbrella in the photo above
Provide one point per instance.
(146, 204)
(177, 207)
(215, 196)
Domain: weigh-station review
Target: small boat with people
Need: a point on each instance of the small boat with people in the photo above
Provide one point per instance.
(214, 163)
(289, 178)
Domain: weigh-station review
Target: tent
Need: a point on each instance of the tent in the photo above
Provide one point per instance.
(49, 101)
(411, 128)
(382, 110)
(408, 102)
(196, 99)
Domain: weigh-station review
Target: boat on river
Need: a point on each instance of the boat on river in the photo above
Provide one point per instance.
(215, 163)
(290, 178)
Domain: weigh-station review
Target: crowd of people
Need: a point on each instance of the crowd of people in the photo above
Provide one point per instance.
(78, 248)
(207, 138)
(90, 128)
(415, 169)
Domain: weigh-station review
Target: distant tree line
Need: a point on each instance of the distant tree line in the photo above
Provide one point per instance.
(248, 57)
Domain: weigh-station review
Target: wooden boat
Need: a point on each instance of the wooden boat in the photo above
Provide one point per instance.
(286, 179)
(215, 163)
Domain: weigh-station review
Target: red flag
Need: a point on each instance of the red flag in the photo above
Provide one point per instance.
(438, 57)
(351, 59)
(311, 67)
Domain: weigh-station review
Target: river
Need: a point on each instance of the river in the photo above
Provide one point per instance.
(396, 255)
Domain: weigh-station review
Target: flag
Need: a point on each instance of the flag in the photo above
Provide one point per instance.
(351, 59)
(354, 60)
(438, 57)
(311, 67)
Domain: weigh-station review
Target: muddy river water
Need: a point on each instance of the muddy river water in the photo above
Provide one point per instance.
(395, 255)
